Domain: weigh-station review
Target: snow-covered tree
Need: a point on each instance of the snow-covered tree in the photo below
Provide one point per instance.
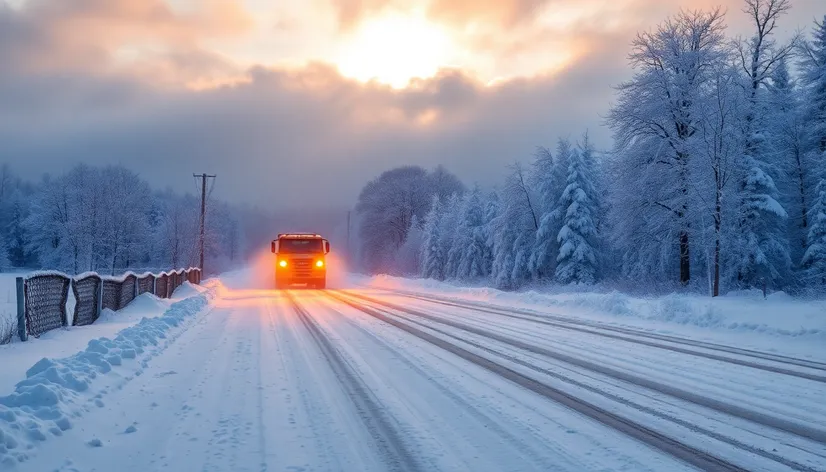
(492, 210)
(761, 254)
(124, 235)
(450, 242)
(409, 255)
(471, 240)
(176, 230)
(514, 230)
(443, 184)
(787, 134)
(656, 117)
(17, 209)
(387, 205)
(434, 257)
(813, 80)
(814, 260)
(718, 148)
(593, 169)
(550, 176)
(577, 259)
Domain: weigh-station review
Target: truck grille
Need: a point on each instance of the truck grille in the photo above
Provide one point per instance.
(303, 267)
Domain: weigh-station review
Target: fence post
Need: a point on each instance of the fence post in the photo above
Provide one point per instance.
(65, 305)
(99, 308)
(21, 308)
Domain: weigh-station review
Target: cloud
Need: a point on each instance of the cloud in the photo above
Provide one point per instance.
(456, 12)
(47, 36)
(508, 13)
(287, 137)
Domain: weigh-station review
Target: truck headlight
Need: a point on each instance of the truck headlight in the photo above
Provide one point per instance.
(283, 263)
(319, 263)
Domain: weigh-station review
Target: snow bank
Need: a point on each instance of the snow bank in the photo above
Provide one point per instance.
(744, 311)
(56, 391)
(188, 290)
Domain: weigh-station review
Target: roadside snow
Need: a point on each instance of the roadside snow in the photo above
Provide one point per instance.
(774, 319)
(57, 390)
(17, 356)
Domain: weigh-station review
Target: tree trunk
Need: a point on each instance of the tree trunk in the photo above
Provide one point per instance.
(685, 259)
(803, 210)
(685, 254)
(718, 216)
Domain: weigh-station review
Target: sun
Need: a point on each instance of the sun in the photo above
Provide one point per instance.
(394, 49)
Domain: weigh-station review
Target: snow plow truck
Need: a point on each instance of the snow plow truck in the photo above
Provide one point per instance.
(300, 259)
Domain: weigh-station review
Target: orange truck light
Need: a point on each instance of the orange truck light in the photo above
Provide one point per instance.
(283, 263)
(319, 264)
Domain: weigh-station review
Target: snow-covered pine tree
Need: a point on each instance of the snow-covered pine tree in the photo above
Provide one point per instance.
(761, 253)
(814, 260)
(492, 209)
(433, 255)
(19, 252)
(541, 261)
(4, 250)
(514, 231)
(577, 260)
(551, 180)
(450, 235)
(526, 236)
(471, 239)
(813, 80)
(597, 192)
(761, 250)
(787, 135)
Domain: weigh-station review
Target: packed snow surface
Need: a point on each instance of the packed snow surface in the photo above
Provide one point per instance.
(232, 378)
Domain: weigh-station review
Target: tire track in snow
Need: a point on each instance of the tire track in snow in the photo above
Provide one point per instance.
(262, 445)
(696, 457)
(608, 331)
(781, 424)
(624, 401)
(386, 437)
(528, 451)
(791, 398)
(302, 420)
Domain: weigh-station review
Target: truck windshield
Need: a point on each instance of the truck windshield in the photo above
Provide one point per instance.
(300, 246)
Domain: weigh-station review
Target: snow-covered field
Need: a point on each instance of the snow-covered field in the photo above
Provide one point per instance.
(426, 377)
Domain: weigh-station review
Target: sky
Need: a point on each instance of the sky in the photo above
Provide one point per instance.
(298, 103)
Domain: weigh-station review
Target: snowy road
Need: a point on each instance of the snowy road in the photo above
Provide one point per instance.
(373, 380)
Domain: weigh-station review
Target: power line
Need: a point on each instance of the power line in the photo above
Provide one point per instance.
(204, 178)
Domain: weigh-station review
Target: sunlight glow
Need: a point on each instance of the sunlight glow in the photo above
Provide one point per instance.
(395, 49)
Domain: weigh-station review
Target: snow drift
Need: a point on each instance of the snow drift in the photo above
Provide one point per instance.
(56, 391)
(745, 311)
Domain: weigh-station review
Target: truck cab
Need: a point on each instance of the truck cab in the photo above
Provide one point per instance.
(300, 258)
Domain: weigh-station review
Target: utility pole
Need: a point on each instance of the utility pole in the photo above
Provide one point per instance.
(201, 237)
(349, 256)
